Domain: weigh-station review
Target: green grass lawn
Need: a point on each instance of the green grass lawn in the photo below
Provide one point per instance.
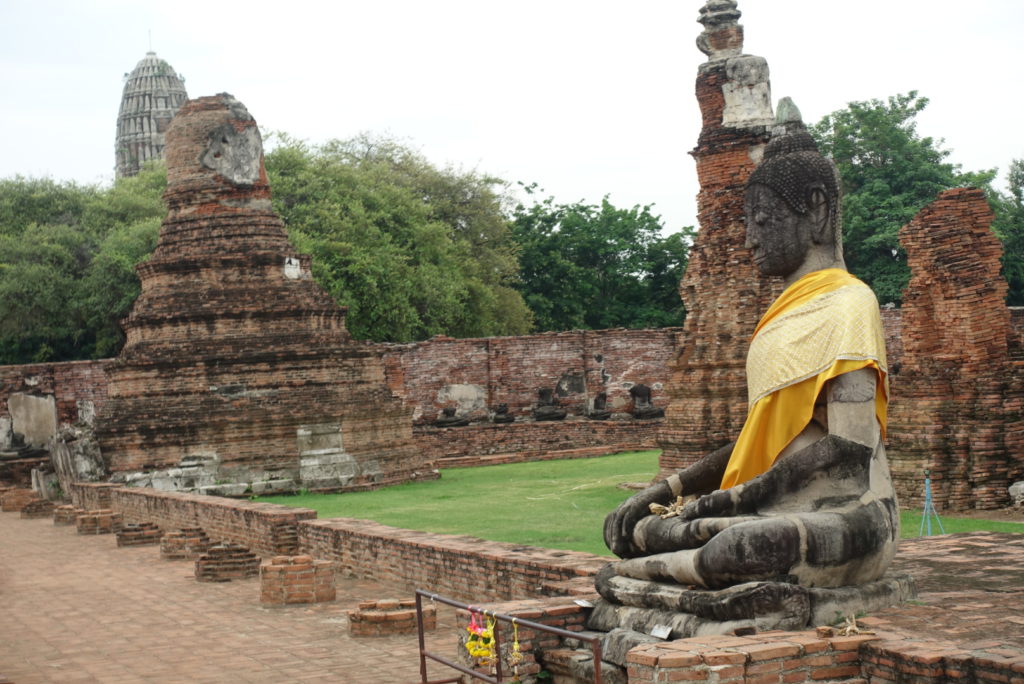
(554, 504)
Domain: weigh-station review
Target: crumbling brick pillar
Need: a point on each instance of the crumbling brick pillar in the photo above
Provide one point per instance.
(226, 562)
(958, 399)
(103, 521)
(37, 508)
(139, 534)
(66, 515)
(296, 579)
(187, 543)
(724, 293)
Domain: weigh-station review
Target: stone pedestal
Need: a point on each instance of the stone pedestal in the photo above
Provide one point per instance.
(139, 535)
(643, 606)
(187, 543)
(103, 521)
(296, 579)
(226, 562)
(388, 617)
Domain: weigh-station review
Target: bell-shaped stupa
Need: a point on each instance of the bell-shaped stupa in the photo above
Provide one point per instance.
(238, 372)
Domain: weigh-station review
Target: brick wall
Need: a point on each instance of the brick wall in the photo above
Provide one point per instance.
(959, 397)
(265, 529)
(75, 385)
(474, 375)
(491, 444)
(462, 567)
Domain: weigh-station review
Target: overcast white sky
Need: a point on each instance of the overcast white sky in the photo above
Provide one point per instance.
(584, 97)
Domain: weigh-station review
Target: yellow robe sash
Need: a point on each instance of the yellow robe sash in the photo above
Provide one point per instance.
(823, 325)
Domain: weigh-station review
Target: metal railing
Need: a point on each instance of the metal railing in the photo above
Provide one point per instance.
(499, 676)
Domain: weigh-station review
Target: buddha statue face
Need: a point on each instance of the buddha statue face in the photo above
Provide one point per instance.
(777, 236)
(792, 204)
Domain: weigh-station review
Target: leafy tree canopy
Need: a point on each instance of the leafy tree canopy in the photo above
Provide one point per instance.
(585, 266)
(67, 258)
(889, 173)
(412, 250)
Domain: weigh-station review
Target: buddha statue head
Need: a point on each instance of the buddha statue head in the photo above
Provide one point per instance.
(792, 203)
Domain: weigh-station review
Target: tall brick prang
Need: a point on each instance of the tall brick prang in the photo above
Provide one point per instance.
(238, 367)
(724, 293)
(958, 404)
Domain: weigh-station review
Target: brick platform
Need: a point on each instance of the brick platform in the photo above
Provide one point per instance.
(66, 515)
(189, 543)
(226, 562)
(388, 617)
(296, 579)
(13, 500)
(139, 534)
(103, 521)
(37, 508)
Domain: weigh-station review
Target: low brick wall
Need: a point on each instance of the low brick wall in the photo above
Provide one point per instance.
(91, 495)
(463, 567)
(266, 529)
(491, 444)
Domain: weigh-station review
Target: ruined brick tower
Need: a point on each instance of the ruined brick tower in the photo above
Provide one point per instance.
(724, 293)
(238, 367)
(152, 94)
(958, 400)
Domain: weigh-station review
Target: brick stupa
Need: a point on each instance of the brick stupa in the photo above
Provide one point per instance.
(724, 293)
(238, 374)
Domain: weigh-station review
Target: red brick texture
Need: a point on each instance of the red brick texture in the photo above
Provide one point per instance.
(388, 617)
(232, 348)
(958, 404)
(267, 529)
(13, 499)
(185, 544)
(102, 521)
(226, 562)
(297, 579)
(724, 293)
(462, 567)
(576, 365)
(73, 384)
(492, 444)
(534, 644)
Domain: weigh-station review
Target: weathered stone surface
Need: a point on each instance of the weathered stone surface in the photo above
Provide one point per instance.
(237, 367)
(153, 92)
(1016, 492)
(764, 605)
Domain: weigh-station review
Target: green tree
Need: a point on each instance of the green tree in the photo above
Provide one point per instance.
(591, 267)
(1009, 226)
(889, 173)
(412, 250)
(67, 257)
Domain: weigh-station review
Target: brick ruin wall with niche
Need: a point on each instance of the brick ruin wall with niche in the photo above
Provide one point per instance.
(443, 372)
(471, 375)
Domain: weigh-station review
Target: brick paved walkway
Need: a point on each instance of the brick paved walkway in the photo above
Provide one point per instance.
(78, 609)
(75, 608)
